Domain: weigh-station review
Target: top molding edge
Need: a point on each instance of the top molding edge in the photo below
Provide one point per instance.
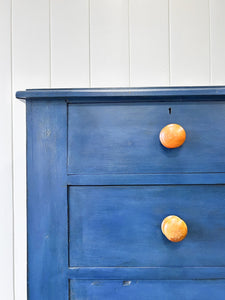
(70, 94)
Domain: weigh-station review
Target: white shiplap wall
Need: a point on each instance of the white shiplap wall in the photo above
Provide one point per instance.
(6, 205)
(90, 43)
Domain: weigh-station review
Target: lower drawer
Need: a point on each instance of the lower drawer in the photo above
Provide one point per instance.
(119, 226)
(147, 290)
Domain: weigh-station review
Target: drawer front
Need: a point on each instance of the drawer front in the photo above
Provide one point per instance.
(124, 138)
(147, 289)
(119, 226)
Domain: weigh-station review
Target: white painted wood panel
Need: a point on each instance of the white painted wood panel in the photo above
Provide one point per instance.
(189, 42)
(217, 38)
(149, 43)
(31, 69)
(6, 211)
(109, 43)
(70, 43)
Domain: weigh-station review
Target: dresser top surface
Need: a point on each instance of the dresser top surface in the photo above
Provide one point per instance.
(203, 93)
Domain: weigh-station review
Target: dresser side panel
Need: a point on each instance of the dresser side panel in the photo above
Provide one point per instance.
(47, 200)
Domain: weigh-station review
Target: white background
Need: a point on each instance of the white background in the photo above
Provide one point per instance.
(90, 43)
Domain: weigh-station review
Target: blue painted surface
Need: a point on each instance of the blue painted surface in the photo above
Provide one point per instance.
(147, 273)
(147, 290)
(114, 226)
(124, 139)
(47, 201)
(145, 179)
(122, 92)
(100, 183)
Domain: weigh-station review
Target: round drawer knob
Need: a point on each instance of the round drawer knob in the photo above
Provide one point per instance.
(174, 228)
(172, 136)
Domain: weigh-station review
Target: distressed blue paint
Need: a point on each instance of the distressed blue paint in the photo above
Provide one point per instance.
(108, 93)
(151, 273)
(147, 290)
(124, 139)
(47, 201)
(115, 226)
(146, 179)
(100, 183)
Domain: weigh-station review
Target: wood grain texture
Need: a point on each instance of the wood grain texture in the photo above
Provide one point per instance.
(146, 290)
(120, 95)
(217, 39)
(70, 43)
(124, 139)
(109, 43)
(120, 226)
(31, 68)
(47, 201)
(149, 43)
(6, 201)
(147, 273)
(145, 179)
(189, 42)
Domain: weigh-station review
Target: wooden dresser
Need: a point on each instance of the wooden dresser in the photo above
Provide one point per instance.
(100, 184)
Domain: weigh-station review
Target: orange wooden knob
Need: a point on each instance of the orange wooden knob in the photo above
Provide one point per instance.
(174, 228)
(172, 136)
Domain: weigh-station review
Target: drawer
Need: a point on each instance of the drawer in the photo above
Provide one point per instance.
(119, 226)
(124, 138)
(147, 289)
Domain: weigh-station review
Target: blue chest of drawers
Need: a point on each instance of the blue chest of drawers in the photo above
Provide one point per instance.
(100, 183)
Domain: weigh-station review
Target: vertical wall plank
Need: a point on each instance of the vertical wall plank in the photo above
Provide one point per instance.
(149, 43)
(217, 38)
(6, 211)
(189, 42)
(70, 43)
(30, 70)
(109, 43)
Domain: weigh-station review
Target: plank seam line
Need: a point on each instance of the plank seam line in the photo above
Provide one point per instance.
(89, 41)
(129, 47)
(12, 148)
(169, 44)
(50, 44)
(210, 44)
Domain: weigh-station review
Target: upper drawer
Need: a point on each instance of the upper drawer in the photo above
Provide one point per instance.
(124, 138)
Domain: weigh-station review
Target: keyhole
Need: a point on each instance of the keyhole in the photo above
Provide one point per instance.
(170, 110)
